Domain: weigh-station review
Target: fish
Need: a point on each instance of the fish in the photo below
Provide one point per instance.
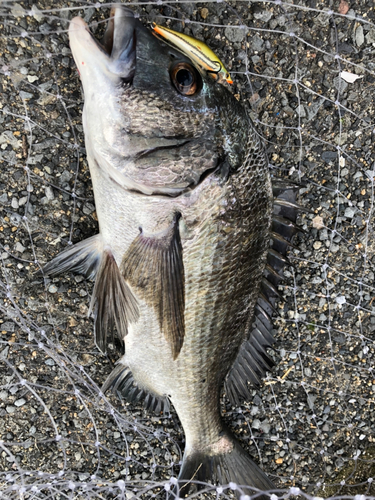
(192, 239)
(198, 52)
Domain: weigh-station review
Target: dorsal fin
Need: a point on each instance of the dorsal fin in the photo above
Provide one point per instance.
(279, 243)
(277, 261)
(267, 285)
(286, 227)
(252, 360)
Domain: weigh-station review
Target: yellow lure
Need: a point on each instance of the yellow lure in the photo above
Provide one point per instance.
(198, 51)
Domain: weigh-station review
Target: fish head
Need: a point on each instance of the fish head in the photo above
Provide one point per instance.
(151, 117)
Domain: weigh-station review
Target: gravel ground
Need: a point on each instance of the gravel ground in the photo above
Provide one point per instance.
(311, 425)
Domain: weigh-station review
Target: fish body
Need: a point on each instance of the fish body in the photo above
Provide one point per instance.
(184, 204)
(197, 50)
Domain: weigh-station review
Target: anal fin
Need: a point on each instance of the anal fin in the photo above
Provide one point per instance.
(112, 303)
(121, 381)
(153, 266)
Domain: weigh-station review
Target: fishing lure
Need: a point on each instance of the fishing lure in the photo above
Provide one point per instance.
(197, 50)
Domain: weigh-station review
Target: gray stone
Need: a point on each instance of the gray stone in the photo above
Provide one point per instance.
(4, 395)
(370, 37)
(4, 353)
(350, 212)
(340, 84)
(263, 15)
(257, 43)
(256, 424)
(19, 247)
(235, 34)
(359, 36)
(26, 95)
(88, 208)
(265, 426)
(7, 326)
(49, 193)
(301, 111)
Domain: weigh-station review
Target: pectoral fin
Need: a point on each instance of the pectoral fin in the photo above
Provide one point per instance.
(153, 266)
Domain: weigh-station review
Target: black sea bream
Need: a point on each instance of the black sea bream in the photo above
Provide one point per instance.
(184, 202)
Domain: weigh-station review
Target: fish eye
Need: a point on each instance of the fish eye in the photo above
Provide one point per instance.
(185, 78)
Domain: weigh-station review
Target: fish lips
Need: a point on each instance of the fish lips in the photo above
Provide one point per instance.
(115, 56)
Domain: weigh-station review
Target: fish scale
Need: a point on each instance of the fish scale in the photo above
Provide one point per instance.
(184, 274)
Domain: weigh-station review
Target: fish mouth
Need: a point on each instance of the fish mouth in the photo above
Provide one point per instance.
(115, 54)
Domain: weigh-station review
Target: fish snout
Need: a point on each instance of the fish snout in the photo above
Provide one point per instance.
(113, 57)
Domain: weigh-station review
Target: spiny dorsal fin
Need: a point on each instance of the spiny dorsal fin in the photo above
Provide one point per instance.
(252, 361)
(266, 304)
(121, 381)
(288, 190)
(285, 227)
(153, 265)
(277, 261)
(268, 287)
(280, 244)
(83, 258)
(112, 303)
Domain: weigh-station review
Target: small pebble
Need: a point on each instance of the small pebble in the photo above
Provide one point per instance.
(19, 247)
(20, 402)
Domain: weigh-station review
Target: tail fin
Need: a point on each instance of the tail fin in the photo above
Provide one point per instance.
(232, 466)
